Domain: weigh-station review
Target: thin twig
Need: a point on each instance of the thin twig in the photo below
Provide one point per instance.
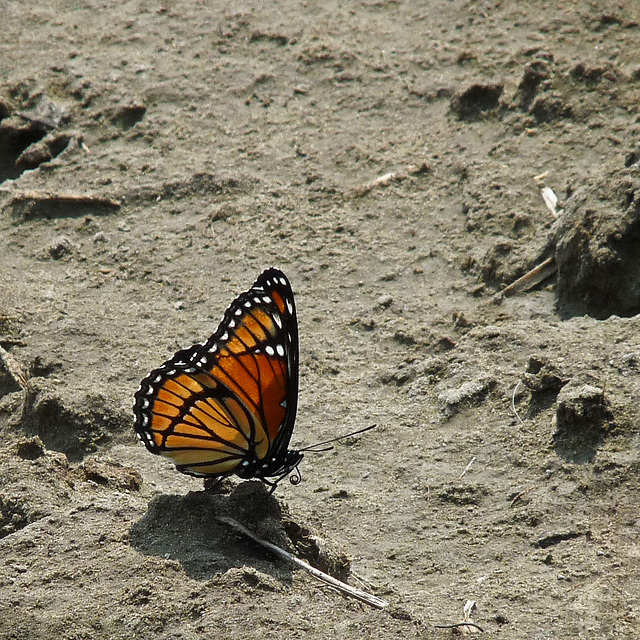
(455, 625)
(532, 278)
(392, 176)
(367, 598)
(65, 198)
(513, 403)
(31, 204)
(467, 468)
(520, 495)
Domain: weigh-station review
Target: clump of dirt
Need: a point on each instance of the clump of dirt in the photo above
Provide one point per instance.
(73, 426)
(109, 473)
(192, 530)
(28, 136)
(476, 101)
(582, 420)
(23, 502)
(317, 551)
(597, 239)
(544, 380)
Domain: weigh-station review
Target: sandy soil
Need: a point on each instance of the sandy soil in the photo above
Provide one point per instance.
(390, 158)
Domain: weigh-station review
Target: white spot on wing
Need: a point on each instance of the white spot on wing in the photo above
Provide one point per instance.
(280, 350)
(269, 350)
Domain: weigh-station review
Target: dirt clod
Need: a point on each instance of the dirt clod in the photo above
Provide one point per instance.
(596, 250)
(582, 416)
(476, 100)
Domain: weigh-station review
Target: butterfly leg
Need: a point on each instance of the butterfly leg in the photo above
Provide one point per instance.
(295, 478)
(273, 485)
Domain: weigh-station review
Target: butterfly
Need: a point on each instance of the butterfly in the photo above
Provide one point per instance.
(228, 405)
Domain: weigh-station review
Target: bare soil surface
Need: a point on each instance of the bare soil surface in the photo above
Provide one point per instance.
(390, 158)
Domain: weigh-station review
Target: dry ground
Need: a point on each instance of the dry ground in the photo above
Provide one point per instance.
(155, 157)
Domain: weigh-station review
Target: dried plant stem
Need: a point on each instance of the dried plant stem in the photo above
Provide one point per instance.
(532, 278)
(348, 590)
(458, 625)
(513, 403)
(65, 198)
(467, 468)
(388, 178)
(13, 368)
(520, 495)
(546, 268)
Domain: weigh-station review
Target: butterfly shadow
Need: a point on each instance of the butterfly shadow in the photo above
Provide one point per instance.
(187, 529)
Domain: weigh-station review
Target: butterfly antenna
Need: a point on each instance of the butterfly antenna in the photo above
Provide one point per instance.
(314, 447)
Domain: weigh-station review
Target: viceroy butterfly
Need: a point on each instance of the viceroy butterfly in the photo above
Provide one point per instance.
(228, 405)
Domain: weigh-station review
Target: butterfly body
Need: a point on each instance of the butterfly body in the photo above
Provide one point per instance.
(228, 405)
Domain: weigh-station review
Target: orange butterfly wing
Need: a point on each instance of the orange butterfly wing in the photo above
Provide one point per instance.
(229, 405)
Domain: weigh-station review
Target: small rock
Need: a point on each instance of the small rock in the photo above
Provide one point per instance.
(633, 157)
(60, 247)
(542, 376)
(581, 411)
(582, 418)
(469, 391)
(30, 448)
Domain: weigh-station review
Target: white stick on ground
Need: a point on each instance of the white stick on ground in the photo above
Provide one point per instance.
(532, 278)
(348, 590)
